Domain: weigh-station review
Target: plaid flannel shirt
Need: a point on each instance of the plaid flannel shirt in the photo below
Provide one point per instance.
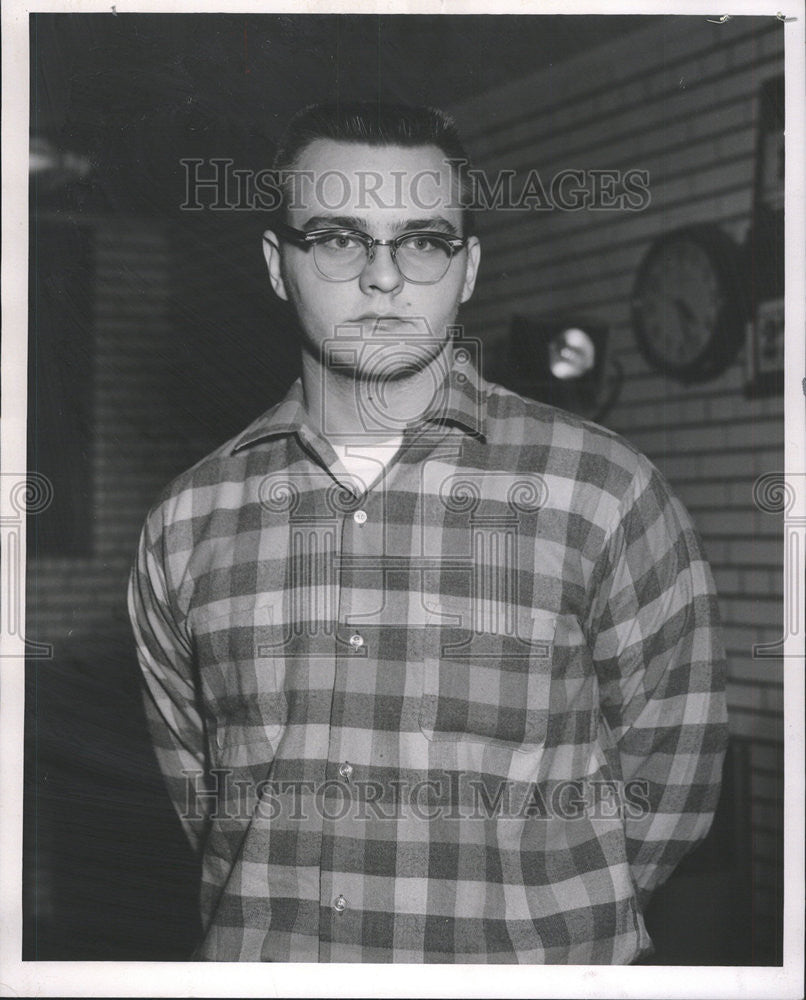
(472, 714)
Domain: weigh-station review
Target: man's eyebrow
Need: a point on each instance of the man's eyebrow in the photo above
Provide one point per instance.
(434, 224)
(335, 222)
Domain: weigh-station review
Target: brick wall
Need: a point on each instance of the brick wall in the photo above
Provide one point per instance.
(679, 99)
(130, 452)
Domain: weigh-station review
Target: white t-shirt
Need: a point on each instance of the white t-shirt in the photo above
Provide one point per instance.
(367, 462)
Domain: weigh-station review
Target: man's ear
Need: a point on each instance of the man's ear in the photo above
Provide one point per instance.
(271, 251)
(473, 258)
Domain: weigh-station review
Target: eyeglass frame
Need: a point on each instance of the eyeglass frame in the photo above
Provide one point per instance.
(309, 239)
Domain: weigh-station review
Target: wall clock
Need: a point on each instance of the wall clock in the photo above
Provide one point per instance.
(689, 303)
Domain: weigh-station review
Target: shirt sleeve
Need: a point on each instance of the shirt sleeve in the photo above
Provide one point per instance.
(164, 653)
(661, 668)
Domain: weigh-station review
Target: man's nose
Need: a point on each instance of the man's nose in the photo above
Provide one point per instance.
(381, 273)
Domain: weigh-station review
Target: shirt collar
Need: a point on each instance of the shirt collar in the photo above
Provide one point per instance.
(461, 402)
(282, 420)
(462, 399)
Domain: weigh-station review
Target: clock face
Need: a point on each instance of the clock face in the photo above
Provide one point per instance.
(686, 306)
(680, 304)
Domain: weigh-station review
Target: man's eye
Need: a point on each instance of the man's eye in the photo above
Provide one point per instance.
(425, 244)
(339, 241)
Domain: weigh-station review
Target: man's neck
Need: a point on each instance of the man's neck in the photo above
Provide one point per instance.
(345, 407)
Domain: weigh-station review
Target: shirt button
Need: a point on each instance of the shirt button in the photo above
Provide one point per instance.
(356, 641)
(340, 905)
(346, 770)
(360, 517)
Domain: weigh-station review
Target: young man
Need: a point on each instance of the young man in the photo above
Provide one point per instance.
(432, 670)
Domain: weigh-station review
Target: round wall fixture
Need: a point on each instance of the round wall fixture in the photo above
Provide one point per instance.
(689, 303)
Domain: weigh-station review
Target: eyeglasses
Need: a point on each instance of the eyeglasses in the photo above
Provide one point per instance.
(342, 254)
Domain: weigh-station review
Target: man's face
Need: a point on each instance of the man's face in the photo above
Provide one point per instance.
(383, 191)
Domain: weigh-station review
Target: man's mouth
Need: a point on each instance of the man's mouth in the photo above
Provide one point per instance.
(381, 318)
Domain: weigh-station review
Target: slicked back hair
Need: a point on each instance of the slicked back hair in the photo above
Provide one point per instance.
(378, 124)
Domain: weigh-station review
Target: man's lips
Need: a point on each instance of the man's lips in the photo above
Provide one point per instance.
(381, 317)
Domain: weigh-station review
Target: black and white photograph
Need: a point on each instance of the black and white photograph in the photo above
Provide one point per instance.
(403, 500)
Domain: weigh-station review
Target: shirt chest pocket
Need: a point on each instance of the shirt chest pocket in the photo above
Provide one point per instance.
(488, 686)
(242, 668)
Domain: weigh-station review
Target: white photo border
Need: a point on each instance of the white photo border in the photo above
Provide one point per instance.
(50, 978)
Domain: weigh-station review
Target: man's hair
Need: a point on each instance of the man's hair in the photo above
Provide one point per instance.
(376, 124)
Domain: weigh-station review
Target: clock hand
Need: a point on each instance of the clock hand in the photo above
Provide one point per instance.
(687, 319)
(684, 311)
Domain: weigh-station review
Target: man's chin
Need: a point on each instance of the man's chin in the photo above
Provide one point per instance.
(401, 360)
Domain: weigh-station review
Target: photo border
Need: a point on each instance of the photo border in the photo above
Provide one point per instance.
(52, 978)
